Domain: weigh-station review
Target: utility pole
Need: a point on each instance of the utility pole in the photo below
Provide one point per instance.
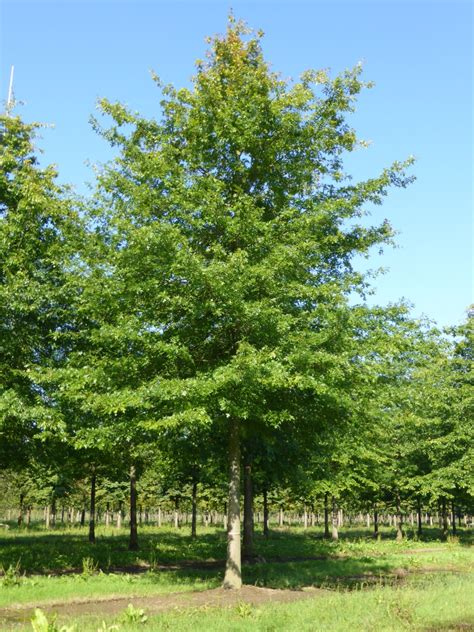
(10, 98)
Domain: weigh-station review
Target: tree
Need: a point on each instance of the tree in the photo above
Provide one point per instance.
(39, 231)
(219, 295)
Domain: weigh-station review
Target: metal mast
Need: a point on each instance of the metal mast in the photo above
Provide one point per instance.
(10, 98)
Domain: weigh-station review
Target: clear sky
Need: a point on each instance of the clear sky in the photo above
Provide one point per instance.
(67, 54)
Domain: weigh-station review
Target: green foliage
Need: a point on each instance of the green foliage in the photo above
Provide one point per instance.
(210, 283)
(134, 615)
(104, 627)
(244, 609)
(89, 567)
(11, 576)
(39, 234)
(40, 623)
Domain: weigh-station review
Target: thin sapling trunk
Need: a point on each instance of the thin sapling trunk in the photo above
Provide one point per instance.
(92, 511)
(133, 542)
(248, 512)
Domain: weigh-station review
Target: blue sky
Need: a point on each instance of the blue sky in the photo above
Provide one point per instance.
(419, 54)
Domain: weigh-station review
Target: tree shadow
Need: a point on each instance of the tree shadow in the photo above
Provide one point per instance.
(458, 625)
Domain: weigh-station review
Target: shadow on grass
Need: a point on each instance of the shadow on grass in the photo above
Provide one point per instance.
(330, 573)
(295, 558)
(65, 551)
(458, 625)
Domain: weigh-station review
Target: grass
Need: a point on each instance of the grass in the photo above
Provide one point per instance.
(42, 590)
(38, 551)
(346, 568)
(433, 604)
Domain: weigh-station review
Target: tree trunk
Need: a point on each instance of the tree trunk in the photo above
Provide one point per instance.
(133, 542)
(28, 516)
(53, 512)
(119, 516)
(376, 521)
(305, 517)
(194, 511)
(399, 520)
(280, 517)
(233, 571)
(92, 511)
(444, 518)
(418, 513)
(335, 520)
(453, 513)
(326, 515)
(47, 517)
(176, 513)
(265, 513)
(20, 513)
(248, 512)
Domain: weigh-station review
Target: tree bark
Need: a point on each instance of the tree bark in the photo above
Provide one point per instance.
(265, 513)
(233, 571)
(376, 521)
(53, 512)
(335, 520)
(326, 515)
(453, 513)
(20, 513)
(399, 520)
(133, 542)
(248, 512)
(418, 513)
(92, 511)
(194, 510)
(176, 513)
(444, 518)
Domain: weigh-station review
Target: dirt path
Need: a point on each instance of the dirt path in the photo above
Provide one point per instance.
(110, 605)
(216, 597)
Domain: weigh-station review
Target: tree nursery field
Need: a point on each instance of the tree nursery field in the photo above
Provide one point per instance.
(296, 579)
(192, 343)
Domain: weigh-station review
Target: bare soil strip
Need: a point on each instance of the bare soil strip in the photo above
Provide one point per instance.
(216, 597)
(107, 606)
